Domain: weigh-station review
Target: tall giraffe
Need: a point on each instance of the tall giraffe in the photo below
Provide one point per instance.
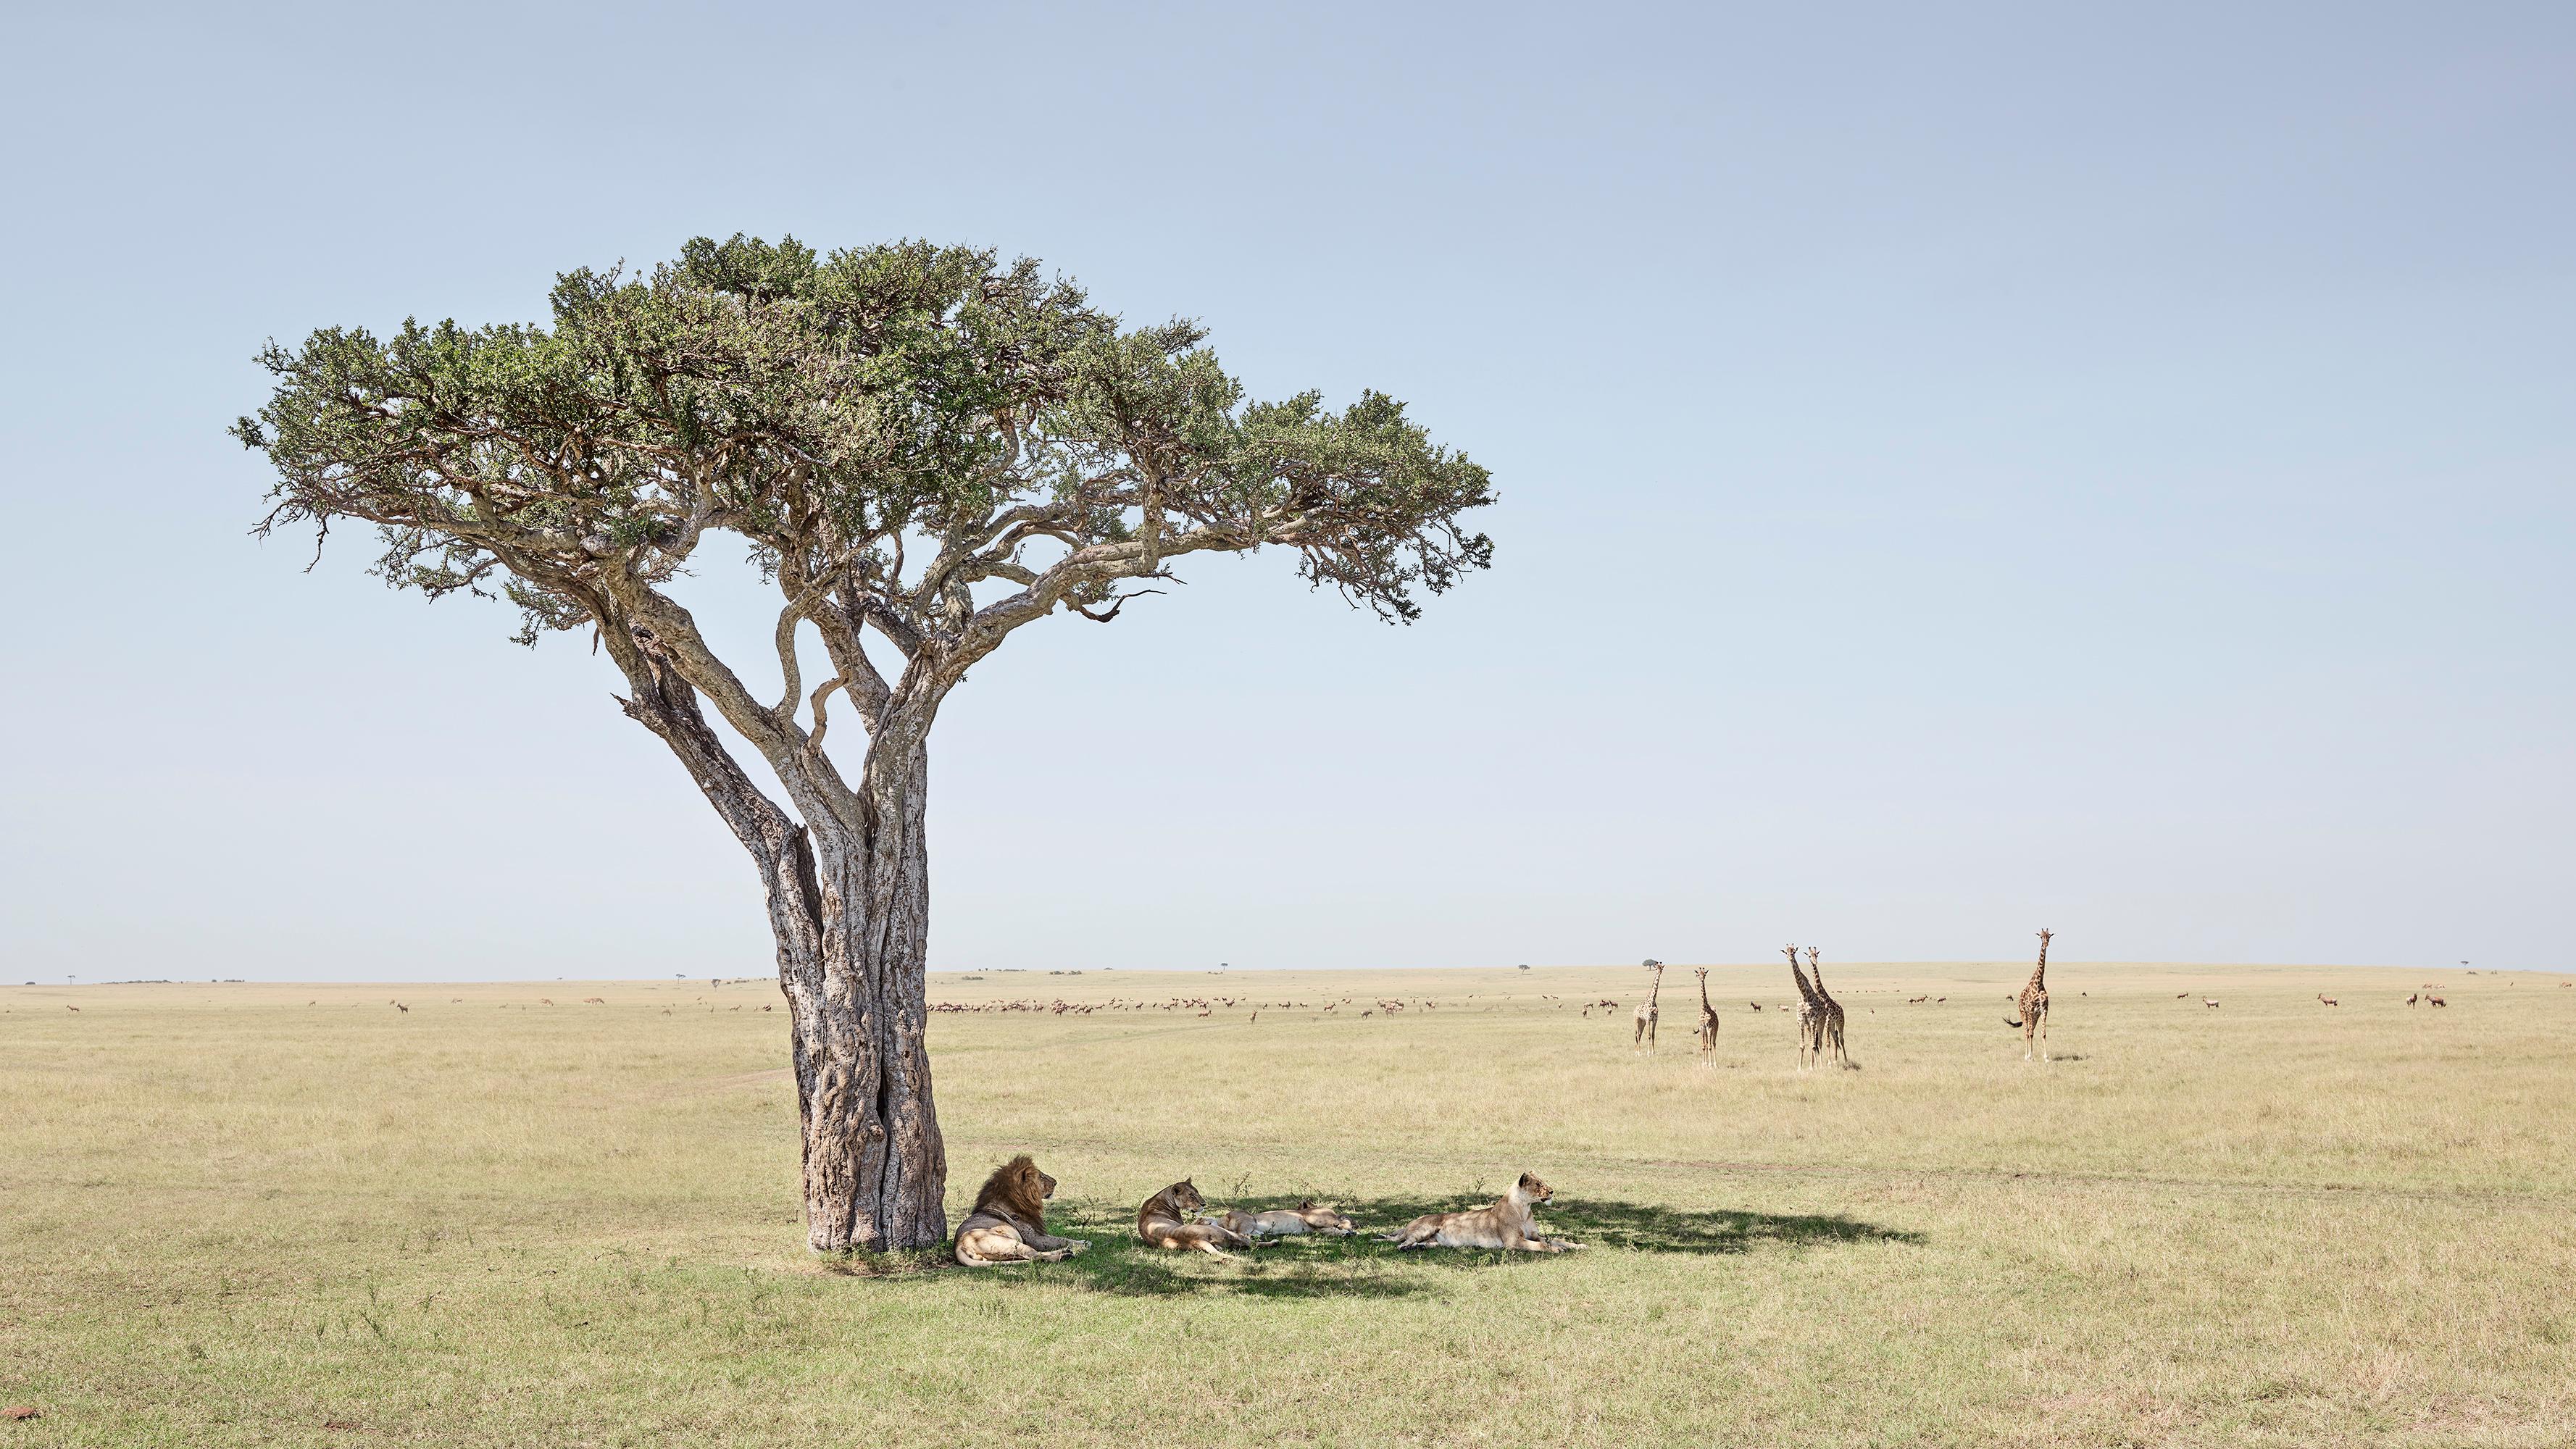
(1647, 1014)
(1707, 1015)
(2033, 1003)
(1810, 1012)
(1829, 1027)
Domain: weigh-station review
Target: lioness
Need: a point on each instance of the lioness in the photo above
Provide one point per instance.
(1305, 1217)
(1009, 1221)
(1164, 1221)
(1509, 1224)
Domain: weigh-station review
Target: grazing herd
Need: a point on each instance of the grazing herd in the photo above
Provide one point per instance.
(1008, 1224)
(1194, 1005)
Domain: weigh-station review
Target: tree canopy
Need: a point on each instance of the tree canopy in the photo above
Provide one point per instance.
(829, 409)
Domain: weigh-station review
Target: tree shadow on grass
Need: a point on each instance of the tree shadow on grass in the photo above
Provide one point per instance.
(1644, 1228)
(1364, 1267)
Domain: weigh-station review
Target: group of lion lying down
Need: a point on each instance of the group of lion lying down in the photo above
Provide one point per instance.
(1009, 1222)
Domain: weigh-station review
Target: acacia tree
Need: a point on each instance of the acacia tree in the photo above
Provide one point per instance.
(919, 444)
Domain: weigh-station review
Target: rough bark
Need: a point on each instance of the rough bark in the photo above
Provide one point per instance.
(876, 1168)
(848, 909)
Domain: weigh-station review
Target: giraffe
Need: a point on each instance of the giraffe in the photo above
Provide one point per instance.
(2033, 1003)
(1829, 1026)
(1648, 1014)
(1810, 1012)
(1707, 1016)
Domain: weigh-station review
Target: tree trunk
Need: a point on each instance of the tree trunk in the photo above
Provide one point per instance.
(849, 906)
(876, 1170)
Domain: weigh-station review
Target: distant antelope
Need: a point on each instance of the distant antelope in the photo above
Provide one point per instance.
(74, 1009)
(594, 1001)
(2210, 1001)
(405, 1010)
(2328, 1000)
(2436, 1001)
(2411, 1000)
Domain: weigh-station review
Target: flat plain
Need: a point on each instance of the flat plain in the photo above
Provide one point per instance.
(248, 1214)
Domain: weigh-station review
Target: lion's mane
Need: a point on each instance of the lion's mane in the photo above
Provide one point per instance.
(1015, 1190)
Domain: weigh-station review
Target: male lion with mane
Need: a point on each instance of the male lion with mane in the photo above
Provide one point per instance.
(1009, 1221)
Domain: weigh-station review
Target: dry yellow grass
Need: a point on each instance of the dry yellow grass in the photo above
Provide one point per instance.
(235, 1217)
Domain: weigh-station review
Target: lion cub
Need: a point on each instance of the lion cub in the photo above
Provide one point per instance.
(1509, 1224)
(1305, 1217)
(1009, 1221)
(1164, 1222)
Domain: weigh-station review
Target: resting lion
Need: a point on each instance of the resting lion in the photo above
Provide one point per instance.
(1510, 1224)
(1009, 1221)
(1164, 1222)
(1305, 1217)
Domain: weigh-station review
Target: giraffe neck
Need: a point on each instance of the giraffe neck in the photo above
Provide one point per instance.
(1703, 994)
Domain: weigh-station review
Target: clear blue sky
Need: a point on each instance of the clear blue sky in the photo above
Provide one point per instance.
(1962, 472)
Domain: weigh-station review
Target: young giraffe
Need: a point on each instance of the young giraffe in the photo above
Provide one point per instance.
(1829, 1026)
(1647, 1014)
(1810, 1013)
(1707, 1016)
(2033, 1004)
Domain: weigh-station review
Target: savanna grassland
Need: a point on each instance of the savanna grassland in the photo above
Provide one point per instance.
(296, 1215)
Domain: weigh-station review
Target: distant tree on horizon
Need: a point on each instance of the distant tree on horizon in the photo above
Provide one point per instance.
(890, 428)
